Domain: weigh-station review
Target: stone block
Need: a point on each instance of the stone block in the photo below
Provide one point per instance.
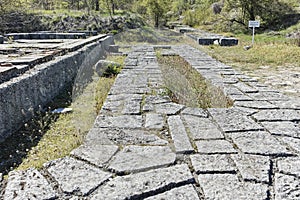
(289, 166)
(286, 187)
(141, 185)
(179, 135)
(202, 128)
(245, 88)
(219, 163)
(132, 105)
(169, 108)
(195, 111)
(208, 41)
(259, 143)
(113, 48)
(97, 154)
(284, 128)
(253, 167)
(233, 120)
(142, 158)
(1, 39)
(215, 147)
(228, 41)
(154, 121)
(130, 137)
(292, 142)
(29, 184)
(228, 186)
(184, 192)
(76, 176)
(255, 104)
(278, 115)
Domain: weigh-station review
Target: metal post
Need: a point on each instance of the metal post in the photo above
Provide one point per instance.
(253, 32)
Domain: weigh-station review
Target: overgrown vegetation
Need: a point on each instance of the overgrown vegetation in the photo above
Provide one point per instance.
(186, 86)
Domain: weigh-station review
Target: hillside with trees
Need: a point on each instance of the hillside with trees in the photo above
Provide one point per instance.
(222, 15)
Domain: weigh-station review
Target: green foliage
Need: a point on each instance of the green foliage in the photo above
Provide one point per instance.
(269, 12)
(111, 70)
(157, 9)
(11, 5)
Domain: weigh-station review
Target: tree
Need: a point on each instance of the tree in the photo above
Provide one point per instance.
(157, 9)
(268, 11)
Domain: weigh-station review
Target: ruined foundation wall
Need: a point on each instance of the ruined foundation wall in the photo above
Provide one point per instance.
(38, 86)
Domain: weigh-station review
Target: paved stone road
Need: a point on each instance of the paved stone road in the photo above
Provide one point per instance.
(143, 146)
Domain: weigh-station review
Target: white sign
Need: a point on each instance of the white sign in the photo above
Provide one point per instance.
(254, 23)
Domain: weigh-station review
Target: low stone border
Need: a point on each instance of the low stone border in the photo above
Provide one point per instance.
(36, 87)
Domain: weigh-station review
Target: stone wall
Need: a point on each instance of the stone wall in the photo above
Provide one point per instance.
(38, 86)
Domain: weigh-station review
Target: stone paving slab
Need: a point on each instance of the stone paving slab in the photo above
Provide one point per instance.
(220, 163)
(228, 187)
(75, 176)
(92, 155)
(259, 143)
(144, 146)
(253, 167)
(185, 192)
(233, 120)
(141, 158)
(179, 135)
(29, 184)
(137, 186)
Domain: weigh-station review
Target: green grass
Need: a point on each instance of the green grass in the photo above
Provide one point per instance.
(274, 51)
(69, 130)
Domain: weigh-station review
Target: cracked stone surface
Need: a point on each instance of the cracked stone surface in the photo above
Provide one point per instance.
(154, 121)
(213, 163)
(141, 158)
(202, 128)
(259, 143)
(214, 146)
(286, 187)
(91, 153)
(289, 166)
(144, 146)
(253, 167)
(232, 120)
(144, 183)
(278, 115)
(29, 184)
(70, 173)
(227, 186)
(183, 193)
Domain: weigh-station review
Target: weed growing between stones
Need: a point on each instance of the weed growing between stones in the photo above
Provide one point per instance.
(186, 86)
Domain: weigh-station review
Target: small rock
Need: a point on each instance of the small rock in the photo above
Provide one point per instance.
(247, 47)
(102, 65)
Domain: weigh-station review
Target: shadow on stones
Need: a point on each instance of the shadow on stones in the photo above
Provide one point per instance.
(16, 147)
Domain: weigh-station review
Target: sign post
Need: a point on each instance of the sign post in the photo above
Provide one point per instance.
(253, 24)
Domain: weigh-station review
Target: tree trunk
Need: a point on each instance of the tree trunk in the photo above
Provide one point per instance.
(97, 7)
(113, 6)
(156, 20)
